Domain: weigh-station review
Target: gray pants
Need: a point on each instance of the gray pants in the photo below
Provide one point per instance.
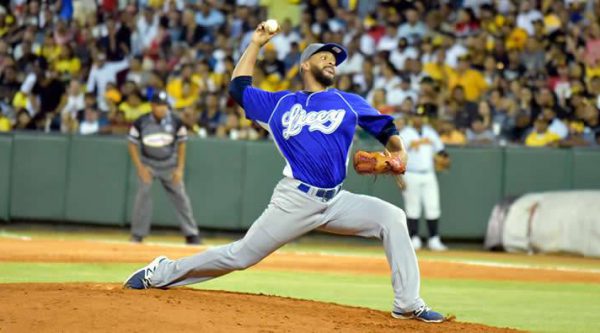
(142, 209)
(292, 213)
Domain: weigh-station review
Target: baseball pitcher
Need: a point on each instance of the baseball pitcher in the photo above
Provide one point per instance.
(313, 130)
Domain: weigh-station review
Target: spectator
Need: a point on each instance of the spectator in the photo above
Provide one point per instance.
(75, 103)
(183, 90)
(527, 15)
(134, 106)
(513, 54)
(212, 118)
(413, 29)
(293, 58)
(449, 134)
(47, 94)
(103, 73)
(355, 60)
(398, 94)
(190, 118)
(9, 85)
(24, 121)
(147, 27)
(67, 64)
(191, 32)
(478, 134)
(401, 52)
(5, 125)
(541, 136)
(379, 101)
(119, 124)
(283, 41)
(556, 125)
(453, 49)
(208, 17)
(579, 136)
(389, 41)
(115, 45)
(462, 110)
(466, 23)
(389, 78)
(136, 73)
(438, 69)
(471, 80)
(92, 122)
(270, 64)
(591, 117)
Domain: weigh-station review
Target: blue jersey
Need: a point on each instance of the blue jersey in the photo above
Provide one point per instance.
(314, 131)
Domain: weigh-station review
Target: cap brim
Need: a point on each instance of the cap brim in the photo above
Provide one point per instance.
(159, 101)
(338, 51)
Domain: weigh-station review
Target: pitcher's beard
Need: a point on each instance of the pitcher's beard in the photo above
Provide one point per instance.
(321, 78)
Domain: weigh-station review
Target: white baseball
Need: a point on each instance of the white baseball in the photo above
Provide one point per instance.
(271, 25)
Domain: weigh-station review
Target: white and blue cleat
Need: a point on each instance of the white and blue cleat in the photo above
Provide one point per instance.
(140, 279)
(423, 313)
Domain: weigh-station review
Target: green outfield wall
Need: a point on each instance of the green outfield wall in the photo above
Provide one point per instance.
(91, 180)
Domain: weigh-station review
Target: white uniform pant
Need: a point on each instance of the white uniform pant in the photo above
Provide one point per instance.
(291, 214)
(422, 190)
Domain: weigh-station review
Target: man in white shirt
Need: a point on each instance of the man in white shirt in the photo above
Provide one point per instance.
(401, 53)
(147, 27)
(454, 50)
(389, 41)
(396, 96)
(527, 15)
(414, 67)
(101, 74)
(422, 190)
(283, 40)
(353, 63)
(91, 123)
(413, 29)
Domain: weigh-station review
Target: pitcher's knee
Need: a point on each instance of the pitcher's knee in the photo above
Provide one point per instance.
(395, 219)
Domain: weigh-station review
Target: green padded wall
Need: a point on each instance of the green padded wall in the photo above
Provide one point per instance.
(586, 169)
(91, 180)
(39, 171)
(215, 171)
(5, 161)
(97, 180)
(263, 169)
(536, 169)
(469, 190)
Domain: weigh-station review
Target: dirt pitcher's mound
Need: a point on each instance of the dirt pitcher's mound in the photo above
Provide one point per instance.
(107, 307)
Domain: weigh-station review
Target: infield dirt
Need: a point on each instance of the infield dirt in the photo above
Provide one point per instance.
(107, 307)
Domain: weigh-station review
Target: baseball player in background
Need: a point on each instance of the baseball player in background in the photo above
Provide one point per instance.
(313, 129)
(160, 136)
(421, 185)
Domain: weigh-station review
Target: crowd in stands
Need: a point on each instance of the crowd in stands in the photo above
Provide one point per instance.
(484, 71)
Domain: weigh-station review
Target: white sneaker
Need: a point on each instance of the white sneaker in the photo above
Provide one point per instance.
(435, 244)
(416, 243)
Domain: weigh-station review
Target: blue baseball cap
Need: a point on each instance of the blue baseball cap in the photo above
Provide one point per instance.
(338, 51)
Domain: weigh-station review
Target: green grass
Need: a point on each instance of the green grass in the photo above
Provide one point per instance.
(311, 244)
(542, 307)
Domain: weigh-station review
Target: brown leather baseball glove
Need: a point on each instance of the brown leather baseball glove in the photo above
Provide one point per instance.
(366, 162)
